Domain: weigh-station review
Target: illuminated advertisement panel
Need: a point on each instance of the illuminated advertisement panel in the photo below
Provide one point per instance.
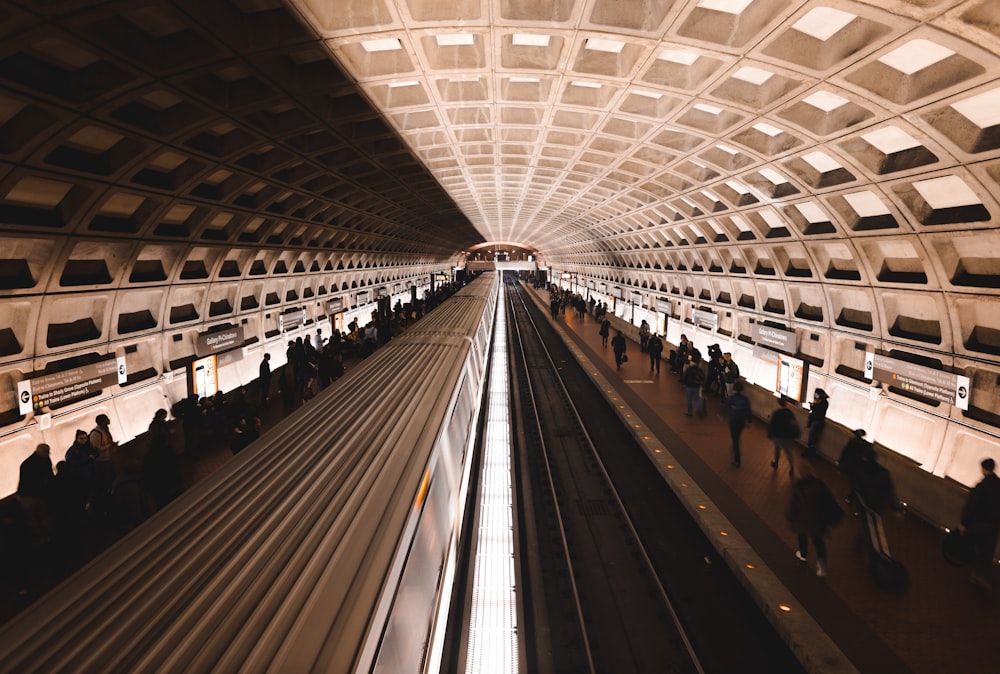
(792, 375)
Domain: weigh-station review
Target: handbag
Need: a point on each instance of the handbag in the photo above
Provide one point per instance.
(624, 357)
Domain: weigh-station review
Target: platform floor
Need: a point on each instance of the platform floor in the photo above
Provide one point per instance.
(941, 623)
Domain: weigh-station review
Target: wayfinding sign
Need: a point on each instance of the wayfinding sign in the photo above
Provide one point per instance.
(69, 385)
(918, 379)
(705, 319)
(775, 338)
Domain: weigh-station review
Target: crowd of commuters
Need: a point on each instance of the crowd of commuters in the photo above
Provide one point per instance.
(71, 504)
(812, 509)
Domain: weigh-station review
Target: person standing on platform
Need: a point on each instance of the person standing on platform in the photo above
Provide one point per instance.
(618, 345)
(783, 431)
(730, 372)
(161, 470)
(812, 510)
(981, 522)
(655, 348)
(693, 378)
(265, 380)
(643, 336)
(739, 413)
(817, 420)
(104, 473)
(604, 331)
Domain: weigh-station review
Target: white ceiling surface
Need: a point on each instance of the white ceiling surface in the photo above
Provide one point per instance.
(616, 125)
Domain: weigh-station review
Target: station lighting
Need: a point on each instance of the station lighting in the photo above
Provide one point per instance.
(492, 637)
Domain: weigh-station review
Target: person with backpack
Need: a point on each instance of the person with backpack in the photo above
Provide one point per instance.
(604, 331)
(783, 431)
(693, 379)
(739, 413)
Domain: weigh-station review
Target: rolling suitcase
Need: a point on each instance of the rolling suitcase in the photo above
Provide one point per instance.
(888, 573)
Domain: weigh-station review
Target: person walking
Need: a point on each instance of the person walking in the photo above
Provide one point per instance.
(604, 331)
(619, 345)
(817, 420)
(739, 413)
(783, 431)
(812, 510)
(981, 522)
(643, 336)
(655, 348)
(850, 460)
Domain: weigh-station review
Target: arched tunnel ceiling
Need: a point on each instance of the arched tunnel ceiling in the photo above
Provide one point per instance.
(609, 125)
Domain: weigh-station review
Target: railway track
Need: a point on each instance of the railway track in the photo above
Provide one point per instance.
(614, 578)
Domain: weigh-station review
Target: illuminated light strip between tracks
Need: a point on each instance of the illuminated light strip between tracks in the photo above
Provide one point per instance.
(492, 644)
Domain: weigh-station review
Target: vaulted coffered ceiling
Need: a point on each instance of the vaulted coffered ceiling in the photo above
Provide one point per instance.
(610, 125)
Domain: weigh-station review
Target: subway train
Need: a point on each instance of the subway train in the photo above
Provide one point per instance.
(328, 545)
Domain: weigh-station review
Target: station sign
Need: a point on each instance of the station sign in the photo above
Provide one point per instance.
(618, 292)
(383, 291)
(208, 343)
(918, 379)
(775, 338)
(292, 320)
(335, 306)
(362, 298)
(664, 306)
(637, 299)
(705, 319)
(69, 385)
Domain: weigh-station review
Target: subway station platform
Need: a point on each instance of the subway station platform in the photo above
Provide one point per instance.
(843, 622)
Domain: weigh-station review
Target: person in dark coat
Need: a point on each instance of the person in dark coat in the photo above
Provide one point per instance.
(161, 470)
(655, 348)
(739, 413)
(36, 477)
(693, 378)
(783, 430)
(604, 332)
(264, 380)
(80, 459)
(812, 510)
(34, 493)
(730, 372)
(817, 420)
(850, 459)
(619, 345)
(981, 522)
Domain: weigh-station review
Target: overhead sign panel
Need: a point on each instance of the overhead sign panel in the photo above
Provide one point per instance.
(292, 320)
(775, 338)
(663, 306)
(213, 342)
(920, 380)
(705, 319)
(69, 385)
